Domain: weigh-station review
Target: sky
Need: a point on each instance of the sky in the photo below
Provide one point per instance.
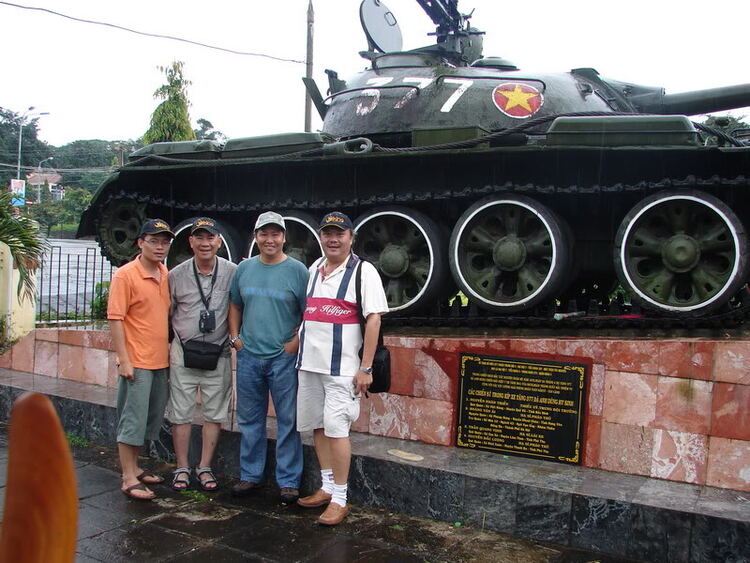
(98, 83)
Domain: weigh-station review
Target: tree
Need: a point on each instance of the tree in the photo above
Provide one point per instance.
(727, 124)
(170, 120)
(33, 150)
(47, 212)
(22, 237)
(206, 131)
(73, 204)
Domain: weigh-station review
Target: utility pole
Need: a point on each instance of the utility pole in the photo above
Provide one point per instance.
(309, 64)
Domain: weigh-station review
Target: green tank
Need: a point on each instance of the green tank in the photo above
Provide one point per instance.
(532, 194)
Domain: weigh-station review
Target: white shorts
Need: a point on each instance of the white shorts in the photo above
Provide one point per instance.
(328, 402)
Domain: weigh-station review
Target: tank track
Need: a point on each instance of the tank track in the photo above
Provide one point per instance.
(455, 316)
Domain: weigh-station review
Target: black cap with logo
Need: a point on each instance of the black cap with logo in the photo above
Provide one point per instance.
(155, 227)
(336, 219)
(207, 224)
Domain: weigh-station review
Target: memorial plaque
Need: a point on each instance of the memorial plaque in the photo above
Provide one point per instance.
(522, 406)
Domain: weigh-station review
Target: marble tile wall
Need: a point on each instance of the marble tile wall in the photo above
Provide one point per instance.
(676, 410)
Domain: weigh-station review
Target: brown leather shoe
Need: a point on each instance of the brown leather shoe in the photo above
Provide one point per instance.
(318, 498)
(334, 515)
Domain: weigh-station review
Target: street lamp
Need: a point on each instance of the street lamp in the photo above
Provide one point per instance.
(39, 166)
(21, 125)
(39, 171)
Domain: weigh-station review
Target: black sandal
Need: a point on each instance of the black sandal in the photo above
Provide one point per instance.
(203, 482)
(179, 484)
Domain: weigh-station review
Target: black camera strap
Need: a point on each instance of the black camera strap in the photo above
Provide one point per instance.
(206, 300)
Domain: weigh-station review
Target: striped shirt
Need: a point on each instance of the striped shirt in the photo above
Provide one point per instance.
(330, 335)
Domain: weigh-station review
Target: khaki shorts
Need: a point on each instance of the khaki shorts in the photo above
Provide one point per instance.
(215, 387)
(326, 401)
(140, 405)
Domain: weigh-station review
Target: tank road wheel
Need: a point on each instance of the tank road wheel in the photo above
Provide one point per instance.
(510, 253)
(682, 253)
(302, 240)
(118, 229)
(180, 250)
(408, 250)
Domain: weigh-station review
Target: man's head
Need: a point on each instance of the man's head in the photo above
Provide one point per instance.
(270, 236)
(336, 236)
(205, 238)
(154, 240)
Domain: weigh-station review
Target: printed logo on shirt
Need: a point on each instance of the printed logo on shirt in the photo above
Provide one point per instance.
(327, 310)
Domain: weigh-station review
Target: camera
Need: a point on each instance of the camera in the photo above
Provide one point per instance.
(207, 321)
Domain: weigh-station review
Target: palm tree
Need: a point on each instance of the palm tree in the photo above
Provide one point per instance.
(21, 234)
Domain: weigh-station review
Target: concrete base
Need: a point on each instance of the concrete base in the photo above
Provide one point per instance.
(630, 516)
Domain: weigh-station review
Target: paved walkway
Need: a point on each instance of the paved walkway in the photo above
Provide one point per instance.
(195, 526)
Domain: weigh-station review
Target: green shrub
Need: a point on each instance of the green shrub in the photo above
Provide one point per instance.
(99, 304)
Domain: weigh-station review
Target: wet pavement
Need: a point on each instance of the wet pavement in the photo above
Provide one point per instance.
(216, 527)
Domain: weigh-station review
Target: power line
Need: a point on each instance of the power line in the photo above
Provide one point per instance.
(156, 35)
(53, 170)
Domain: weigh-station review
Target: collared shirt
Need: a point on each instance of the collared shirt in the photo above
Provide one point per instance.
(330, 335)
(187, 304)
(142, 303)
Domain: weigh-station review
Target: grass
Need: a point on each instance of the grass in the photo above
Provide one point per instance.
(196, 496)
(76, 441)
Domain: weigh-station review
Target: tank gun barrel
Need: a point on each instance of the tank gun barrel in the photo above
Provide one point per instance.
(700, 101)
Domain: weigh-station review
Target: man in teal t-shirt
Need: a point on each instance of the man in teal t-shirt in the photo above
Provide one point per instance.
(267, 300)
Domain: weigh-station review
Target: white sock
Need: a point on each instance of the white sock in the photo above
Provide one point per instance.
(339, 494)
(326, 476)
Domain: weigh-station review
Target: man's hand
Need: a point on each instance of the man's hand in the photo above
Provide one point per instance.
(292, 346)
(238, 344)
(362, 382)
(125, 369)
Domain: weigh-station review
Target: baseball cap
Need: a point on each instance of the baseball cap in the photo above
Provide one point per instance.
(207, 224)
(336, 219)
(269, 218)
(154, 227)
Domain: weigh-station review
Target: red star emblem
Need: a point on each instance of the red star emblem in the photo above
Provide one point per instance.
(517, 100)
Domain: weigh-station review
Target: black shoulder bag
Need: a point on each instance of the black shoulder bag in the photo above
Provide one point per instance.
(381, 362)
(199, 354)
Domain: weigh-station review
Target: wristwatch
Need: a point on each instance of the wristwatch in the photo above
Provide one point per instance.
(232, 340)
(366, 370)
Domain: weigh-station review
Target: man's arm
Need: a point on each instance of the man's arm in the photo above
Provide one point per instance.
(125, 369)
(372, 329)
(234, 320)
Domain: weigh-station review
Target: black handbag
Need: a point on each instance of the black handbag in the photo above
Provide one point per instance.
(201, 355)
(381, 362)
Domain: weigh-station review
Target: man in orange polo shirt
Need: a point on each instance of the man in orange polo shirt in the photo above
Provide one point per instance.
(138, 313)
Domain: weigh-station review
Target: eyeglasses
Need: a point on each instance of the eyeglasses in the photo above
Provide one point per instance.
(158, 242)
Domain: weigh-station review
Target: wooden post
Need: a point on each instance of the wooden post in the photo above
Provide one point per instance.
(309, 64)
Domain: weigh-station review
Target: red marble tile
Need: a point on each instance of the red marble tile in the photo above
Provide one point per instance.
(702, 360)
(403, 370)
(23, 354)
(406, 341)
(432, 421)
(113, 377)
(728, 464)
(675, 358)
(592, 441)
(430, 381)
(95, 366)
(72, 337)
(389, 415)
(6, 360)
(48, 334)
(45, 358)
(271, 409)
(680, 456)
(595, 399)
(534, 346)
(362, 424)
(730, 416)
(446, 344)
(99, 339)
(639, 356)
(683, 405)
(626, 449)
(70, 362)
(498, 347)
(591, 349)
(629, 398)
(732, 362)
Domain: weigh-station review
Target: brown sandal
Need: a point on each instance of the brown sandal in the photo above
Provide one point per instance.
(150, 478)
(128, 492)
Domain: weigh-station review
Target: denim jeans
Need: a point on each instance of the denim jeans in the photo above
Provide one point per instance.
(255, 377)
